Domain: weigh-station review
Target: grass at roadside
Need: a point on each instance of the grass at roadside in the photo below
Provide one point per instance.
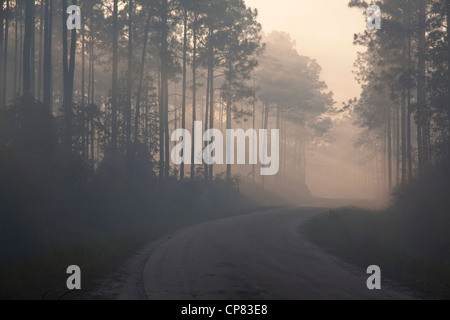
(412, 251)
(44, 276)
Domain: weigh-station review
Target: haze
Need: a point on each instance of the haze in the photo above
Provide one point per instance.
(323, 30)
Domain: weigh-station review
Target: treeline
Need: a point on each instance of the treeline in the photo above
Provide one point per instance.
(86, 115)
(147, 46)
(139, 69)
(405, 105)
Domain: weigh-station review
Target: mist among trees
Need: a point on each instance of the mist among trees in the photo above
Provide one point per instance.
(87, 115)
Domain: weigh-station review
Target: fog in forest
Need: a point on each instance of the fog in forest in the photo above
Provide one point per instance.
(124, 121)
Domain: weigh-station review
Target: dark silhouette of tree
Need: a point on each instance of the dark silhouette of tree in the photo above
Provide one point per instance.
(28, 37)
(68, 77)
(5, 54)
(47, 72)
(114, 87)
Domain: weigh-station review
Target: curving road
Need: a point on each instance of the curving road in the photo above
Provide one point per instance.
(255, 256)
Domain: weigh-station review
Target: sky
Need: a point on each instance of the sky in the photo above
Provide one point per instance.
(323, 30)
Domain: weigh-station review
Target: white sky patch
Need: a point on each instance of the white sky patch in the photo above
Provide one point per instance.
(323, 30)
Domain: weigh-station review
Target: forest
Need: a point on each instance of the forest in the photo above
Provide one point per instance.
(404, 143)
(87, 115)
(87, 118)
(404, 108)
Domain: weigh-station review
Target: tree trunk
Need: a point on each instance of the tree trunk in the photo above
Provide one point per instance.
(265, 127)
(183, 103)
(140, 86)
(253, 127)
(211, 95)
(5, 55)
(48, 54)
(129, 81)
(16, 48)
(21, 47)
(33, 52)
(2, 14)
(409, 106)
(421, 93)
(228, 128)
(70, 92)
(448, 64)
(397, 144)
(165, 88)
(84, 132)
(92, 58)
(208, 92)
(161, 126)
(277, 178)
(404, 139)
(114, 129)
(41, 53)
(27, 48)
(389, 147)
(194, 97)
(68, 79)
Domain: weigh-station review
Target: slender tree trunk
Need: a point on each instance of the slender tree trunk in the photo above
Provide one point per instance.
(265, 127)
(114, 129)
(70, 89)
(389, 147)
(211, 95)
(21, 51)
(5, 55)
(404, 139)
(129, 81)
(48, 54)
(409, 106)
(161, 127)
(33, 52)
(194, 96)
(41, 53)
(65, 63)
(93, 131)
(90, 127)
(208, 92)
(448, 65)
(286, 151)
(183, 103)
(68, 79)
(140, 86)
(277, 178)
(85, 124)
(303, 162)
(397, 144)
(146, 122)
(2, 14)
(254, 137)
(27, 48)
(421, 93)
(16, 48)
(92, 58)
(89, 84)
(228, 111)
(165, 88)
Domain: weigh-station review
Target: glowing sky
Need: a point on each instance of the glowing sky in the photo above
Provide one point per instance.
(323, 30)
